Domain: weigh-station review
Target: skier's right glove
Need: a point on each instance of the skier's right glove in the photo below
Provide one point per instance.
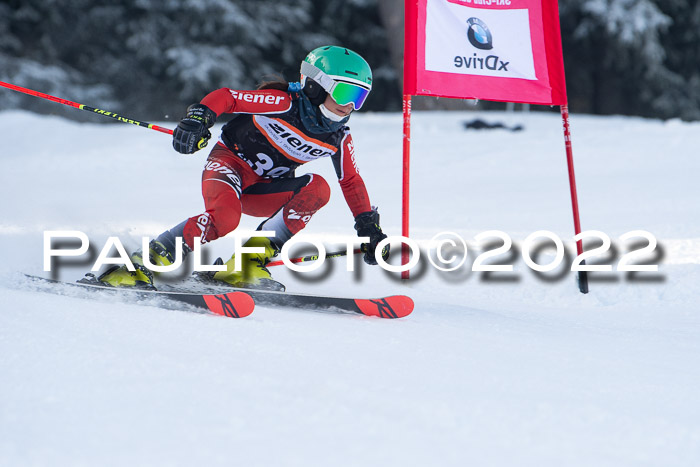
(367, 225)
(192, 133)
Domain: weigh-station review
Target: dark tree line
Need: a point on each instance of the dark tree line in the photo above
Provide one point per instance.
(639, 57)
(151, 58)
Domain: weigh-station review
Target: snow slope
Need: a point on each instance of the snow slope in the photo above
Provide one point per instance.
(515, 369)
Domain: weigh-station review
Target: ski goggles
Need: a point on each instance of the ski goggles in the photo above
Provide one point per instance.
(343, 92)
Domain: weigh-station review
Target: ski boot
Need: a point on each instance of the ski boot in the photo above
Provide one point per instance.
(253, 273)
(142, 277)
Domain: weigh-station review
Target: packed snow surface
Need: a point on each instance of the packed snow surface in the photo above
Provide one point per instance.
(507, 368)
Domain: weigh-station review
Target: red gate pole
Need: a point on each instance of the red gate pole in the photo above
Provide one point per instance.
(582, 275)
(406, 179)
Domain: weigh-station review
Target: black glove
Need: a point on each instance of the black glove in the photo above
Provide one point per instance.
(367, 225)
(192, 133)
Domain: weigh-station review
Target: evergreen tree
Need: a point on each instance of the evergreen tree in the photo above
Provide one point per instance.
(632, 57)
(356, 24)
(152, 58)
(678, 93)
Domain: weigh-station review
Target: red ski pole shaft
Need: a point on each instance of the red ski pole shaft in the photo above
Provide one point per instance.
(105, 113)
(304, 259)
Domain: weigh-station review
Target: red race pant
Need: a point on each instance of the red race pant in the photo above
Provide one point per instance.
(231, 188)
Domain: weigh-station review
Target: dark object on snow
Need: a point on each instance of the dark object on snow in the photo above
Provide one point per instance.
(479, 124)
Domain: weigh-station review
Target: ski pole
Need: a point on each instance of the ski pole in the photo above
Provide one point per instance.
(304, 259)
(105, 113)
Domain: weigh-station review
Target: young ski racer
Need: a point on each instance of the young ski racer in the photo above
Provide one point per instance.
(250, 170)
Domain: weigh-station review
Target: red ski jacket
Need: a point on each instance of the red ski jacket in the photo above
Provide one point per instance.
(267, 132)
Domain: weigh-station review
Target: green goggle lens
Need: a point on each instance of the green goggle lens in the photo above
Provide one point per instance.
(345, 93)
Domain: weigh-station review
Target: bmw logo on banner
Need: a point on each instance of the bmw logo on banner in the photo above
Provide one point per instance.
(479, 34)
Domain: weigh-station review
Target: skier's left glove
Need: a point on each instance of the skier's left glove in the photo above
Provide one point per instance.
(192, 133)
(367, 225)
